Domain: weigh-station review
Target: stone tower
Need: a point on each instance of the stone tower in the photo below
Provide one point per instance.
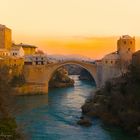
(125, 48)
(5, 37)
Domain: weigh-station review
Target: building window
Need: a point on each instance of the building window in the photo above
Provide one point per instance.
(14, 54)
(131, 42)
(106, 62)
(111, 62)
(128, 49)
(124, 42)
(39, 63)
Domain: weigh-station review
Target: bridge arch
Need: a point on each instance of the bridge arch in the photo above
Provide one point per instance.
(38, 76)
(91, 68)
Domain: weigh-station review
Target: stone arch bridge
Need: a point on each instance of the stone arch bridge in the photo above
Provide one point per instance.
(38, 76)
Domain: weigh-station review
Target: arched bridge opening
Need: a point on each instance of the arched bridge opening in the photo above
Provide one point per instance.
(60, 78)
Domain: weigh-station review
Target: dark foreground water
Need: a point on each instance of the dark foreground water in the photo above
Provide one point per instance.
(54, 117)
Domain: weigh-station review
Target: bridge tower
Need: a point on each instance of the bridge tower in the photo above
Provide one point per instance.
(125, 48)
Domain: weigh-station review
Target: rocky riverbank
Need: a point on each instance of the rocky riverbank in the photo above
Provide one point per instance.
(118, 103)
(61, 79)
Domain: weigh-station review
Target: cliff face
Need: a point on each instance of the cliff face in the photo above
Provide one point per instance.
(61, 79)
(118, 103)
(76, 70)
(73, 69)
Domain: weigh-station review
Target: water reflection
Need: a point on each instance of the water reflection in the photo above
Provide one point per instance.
(28, 103)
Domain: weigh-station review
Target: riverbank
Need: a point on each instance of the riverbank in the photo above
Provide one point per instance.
(53, 116)
(118, 103)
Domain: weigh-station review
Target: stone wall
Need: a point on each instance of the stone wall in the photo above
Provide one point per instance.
(31, 89)
(109, 72)
(136, 59)
(136, 65)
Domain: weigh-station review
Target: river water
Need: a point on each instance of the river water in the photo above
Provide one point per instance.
(54, 116)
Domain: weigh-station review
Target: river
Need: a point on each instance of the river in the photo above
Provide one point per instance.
(54, 116)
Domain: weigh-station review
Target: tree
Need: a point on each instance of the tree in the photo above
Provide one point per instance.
(7, 106)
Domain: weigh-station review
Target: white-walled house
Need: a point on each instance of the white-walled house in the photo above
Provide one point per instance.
(17, 51)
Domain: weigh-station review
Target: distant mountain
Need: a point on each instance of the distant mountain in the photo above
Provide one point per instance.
(70, 57)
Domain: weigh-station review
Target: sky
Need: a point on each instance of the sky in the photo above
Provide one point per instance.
(48, 22)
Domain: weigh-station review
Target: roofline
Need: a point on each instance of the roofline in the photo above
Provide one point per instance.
(25, 45)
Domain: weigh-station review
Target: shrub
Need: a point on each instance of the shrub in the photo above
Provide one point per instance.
(18, 80)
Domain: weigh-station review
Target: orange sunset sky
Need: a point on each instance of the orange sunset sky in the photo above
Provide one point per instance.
(85, 27)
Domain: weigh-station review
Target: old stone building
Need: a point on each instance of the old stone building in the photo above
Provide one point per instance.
(125, 48)
(5, 37)
(4, 53)
(9, 56)
(110, 66)
(36, 59)
(28, 49)
(116, 64)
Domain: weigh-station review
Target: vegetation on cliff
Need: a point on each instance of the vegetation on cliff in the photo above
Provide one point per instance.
(18, 81)
(8, 127)
(118, 103)
(61, 79)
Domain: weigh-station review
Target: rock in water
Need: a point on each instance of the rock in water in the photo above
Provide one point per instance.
(84, 122)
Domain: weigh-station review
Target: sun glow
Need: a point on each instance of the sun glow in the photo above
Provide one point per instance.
(34, 21)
